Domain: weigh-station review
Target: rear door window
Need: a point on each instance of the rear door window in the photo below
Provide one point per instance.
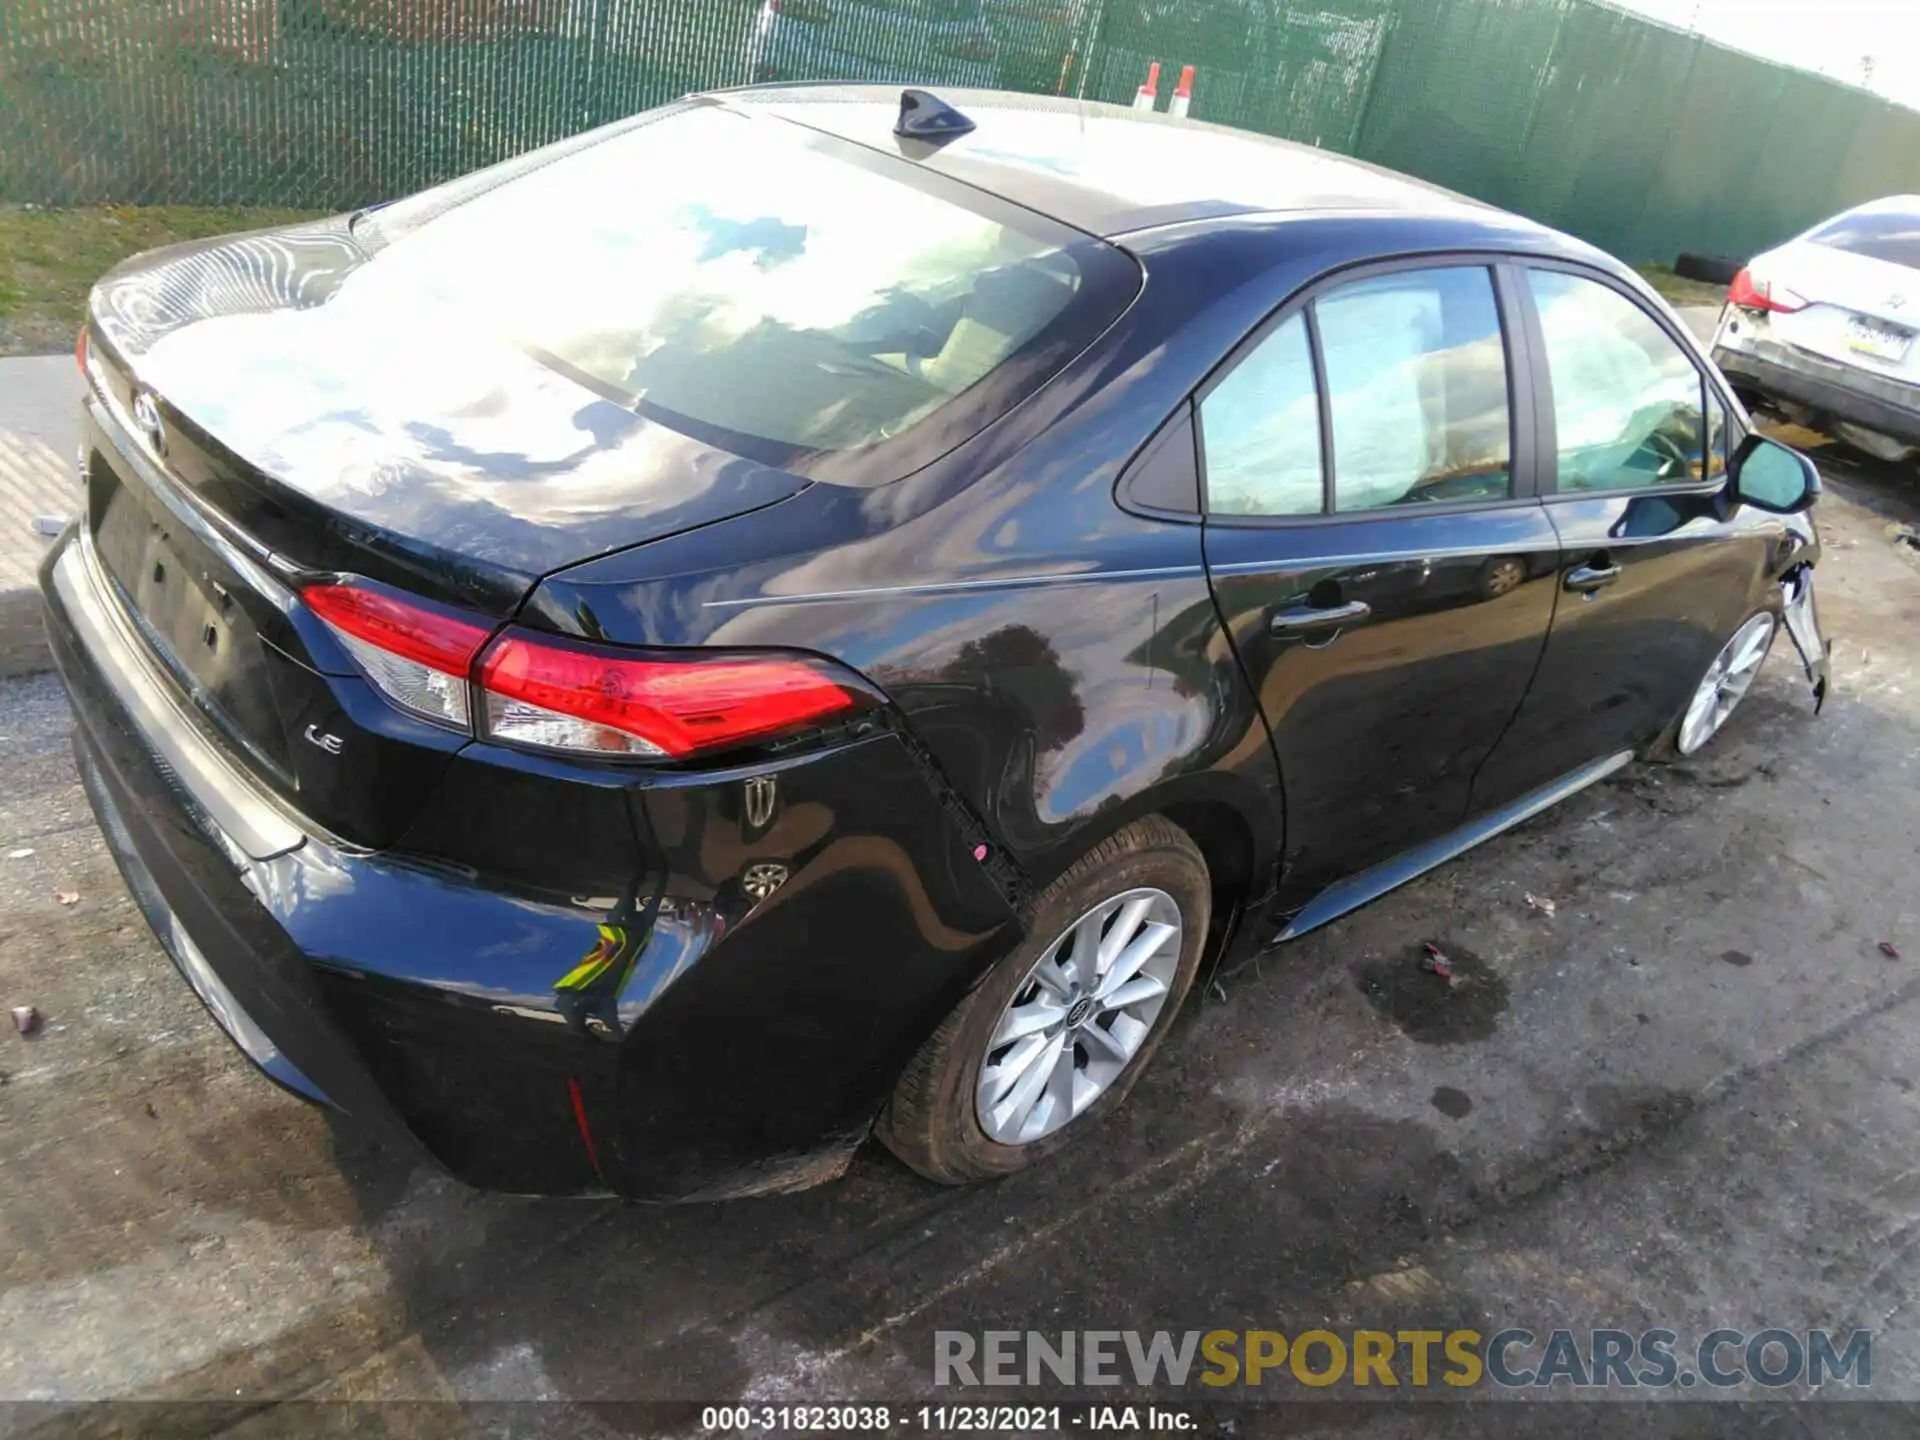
(1417, 389)
(1415, 366)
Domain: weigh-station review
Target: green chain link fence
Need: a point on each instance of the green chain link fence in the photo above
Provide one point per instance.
(1641, 138)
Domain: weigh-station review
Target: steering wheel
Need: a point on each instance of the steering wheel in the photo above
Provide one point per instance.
(1673, 458)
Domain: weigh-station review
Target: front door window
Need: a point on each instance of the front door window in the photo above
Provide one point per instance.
(1627, 400)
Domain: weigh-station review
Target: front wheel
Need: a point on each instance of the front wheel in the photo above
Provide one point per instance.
(1059, 1030)
(1721, 689)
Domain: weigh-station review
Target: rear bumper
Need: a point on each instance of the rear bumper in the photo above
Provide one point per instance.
(180, 823)
(1783, 372)
(697, 1035)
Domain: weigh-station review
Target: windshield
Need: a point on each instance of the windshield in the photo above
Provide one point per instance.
(753, 282)
(1882, 232)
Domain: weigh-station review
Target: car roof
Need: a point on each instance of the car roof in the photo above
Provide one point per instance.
(1107, 169)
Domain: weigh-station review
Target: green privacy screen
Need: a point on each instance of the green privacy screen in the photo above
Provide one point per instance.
(1640, 138)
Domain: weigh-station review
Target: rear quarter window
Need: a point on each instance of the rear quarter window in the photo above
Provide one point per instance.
(770, 290)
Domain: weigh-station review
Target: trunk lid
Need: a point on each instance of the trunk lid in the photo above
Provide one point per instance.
(666, 324)
(352, 430)
(1863, 311)
(252, 432)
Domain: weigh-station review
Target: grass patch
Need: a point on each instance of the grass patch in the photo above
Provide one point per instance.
(1676, 291)
(49, 259)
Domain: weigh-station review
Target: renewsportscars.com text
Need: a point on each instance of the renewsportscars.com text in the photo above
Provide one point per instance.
(1510, 1358)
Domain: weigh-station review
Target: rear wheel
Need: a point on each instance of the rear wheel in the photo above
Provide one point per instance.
(1721, 689)
(1058, 1032)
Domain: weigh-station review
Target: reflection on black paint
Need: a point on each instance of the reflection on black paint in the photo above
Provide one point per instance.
(1019, 665)
(1181, 653)
(294, 268)
(589, 994)
(1651, 516)
(1425, 587)
(1621, 661)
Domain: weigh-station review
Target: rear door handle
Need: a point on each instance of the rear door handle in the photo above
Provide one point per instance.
(1585, 579)
(1298, 618)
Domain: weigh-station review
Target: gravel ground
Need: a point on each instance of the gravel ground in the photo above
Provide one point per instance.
(1686, 1098)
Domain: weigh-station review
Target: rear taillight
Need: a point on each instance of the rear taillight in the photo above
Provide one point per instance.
(80, 349)
(563, 696)
(417, 655)
(559, 694)
(1751, 293)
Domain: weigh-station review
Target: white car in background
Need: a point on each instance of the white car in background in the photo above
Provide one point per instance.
(1827, 328)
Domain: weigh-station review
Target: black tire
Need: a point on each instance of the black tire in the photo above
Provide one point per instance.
(930, 1122)
(1709, 269)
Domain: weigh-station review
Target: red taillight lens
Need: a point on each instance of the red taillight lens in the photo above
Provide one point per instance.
(80, 348)
(417, 654)
(1750, 293)
(566, 696)
(563, 694)
(1744, 293)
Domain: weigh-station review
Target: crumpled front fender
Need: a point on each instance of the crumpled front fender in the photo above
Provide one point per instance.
(1802, 619)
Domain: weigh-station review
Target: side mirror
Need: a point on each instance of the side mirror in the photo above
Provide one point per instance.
(1769, 476)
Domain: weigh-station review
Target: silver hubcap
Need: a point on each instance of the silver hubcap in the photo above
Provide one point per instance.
(1726, 682)
(1079, 1017)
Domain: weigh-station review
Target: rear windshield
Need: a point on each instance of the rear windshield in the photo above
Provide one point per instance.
(1881, 234)
(763, 287)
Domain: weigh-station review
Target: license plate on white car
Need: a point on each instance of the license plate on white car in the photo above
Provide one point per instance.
(1877, 338)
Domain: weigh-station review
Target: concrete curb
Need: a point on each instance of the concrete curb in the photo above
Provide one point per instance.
(23, 641)
(39, 428)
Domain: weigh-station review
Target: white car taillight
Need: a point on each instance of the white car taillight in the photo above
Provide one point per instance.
(1751, 292)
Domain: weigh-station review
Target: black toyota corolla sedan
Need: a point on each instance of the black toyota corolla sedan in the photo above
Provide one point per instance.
(814, 612)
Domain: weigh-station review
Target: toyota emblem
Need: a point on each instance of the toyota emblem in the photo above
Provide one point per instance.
(146, 414)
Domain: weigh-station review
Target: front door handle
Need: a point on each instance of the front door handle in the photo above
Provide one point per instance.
(1585, 579)
(1298, 618)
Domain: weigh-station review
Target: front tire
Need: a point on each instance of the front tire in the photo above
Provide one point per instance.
(1058, 1032)
(1720, 690)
